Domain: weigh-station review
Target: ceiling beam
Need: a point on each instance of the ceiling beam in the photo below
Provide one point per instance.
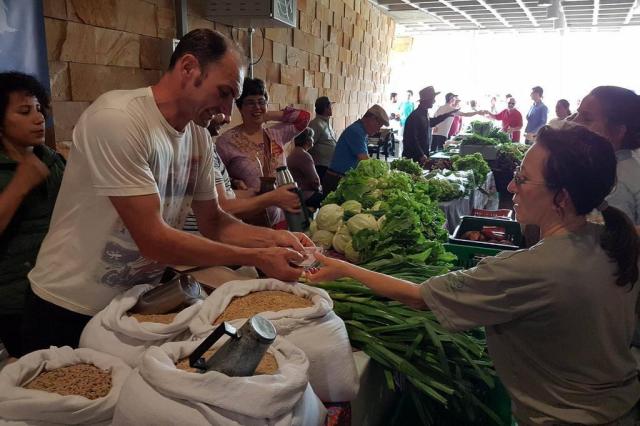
(495, 13)
(596, 10)
(528, 13)
(462, 12)
(422, 9)
(632, 10)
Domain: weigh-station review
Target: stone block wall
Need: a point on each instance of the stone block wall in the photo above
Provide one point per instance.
(339, 49)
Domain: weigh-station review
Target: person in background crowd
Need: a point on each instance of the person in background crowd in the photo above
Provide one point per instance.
(352, 146)
(251, 149)
(140, 158)
(393, 107)
(581, 281)
(441, 131)
(301, 167)
(406, 108)
(417, 135)
(324, 137)
(613, 112)
(244, 203)
(30, 177)
(562, 111)
(536, 117)
(511, 120)
(494, 108)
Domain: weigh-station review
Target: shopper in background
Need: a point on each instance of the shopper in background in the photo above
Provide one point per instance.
(140, 158)
(511, 120)
(416, 141)
(562, 112)
(352, 146)
(560, 316)
(301, 166)
(614, 113)
(251, 149)
(441, 130)
(536, 117)
(406, 108)
(324, 137)
(30, 177)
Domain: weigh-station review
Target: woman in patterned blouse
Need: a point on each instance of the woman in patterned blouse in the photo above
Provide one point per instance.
(251, 149)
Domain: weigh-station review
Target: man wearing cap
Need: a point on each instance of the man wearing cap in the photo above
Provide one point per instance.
(441, 131)
(352, 145)
(324, 138)
(417, 132)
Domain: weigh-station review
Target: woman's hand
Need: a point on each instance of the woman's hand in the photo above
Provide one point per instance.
(332, 269)
(30, 172)
(286, 199)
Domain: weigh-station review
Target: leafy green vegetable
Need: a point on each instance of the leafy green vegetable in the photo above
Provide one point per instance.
(351, 253)
(323, 238)
(352, 207)
(474, 162)
(407, 165)
(329, 217)
(362, 221)
(341, 238)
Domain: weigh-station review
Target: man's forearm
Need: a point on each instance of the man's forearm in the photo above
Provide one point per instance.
(227, 229)
(437, 120)
(246, 205)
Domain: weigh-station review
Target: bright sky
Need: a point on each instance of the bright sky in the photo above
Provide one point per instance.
(476, 66)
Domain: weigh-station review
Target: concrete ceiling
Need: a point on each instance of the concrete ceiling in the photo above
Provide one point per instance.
(420, 16)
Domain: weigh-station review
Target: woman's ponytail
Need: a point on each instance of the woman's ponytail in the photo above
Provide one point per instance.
(621, 243)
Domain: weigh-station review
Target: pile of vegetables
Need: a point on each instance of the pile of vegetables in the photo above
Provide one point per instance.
(376, 213)
(389, 221)
(510, 155)
(474, 162)
(484, 133)
(446, 377)
(407, 165)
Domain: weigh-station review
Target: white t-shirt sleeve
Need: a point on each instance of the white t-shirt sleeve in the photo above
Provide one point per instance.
(206, 184)
(498, 290)
(117, 154)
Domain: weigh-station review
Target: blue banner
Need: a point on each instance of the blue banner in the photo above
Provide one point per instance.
(22, 39)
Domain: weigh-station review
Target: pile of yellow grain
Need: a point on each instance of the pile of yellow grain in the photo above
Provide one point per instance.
(157, 318)
(81, 379)
(261, 301)
(268, 364)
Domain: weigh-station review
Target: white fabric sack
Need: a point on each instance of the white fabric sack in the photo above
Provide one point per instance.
(317, 330)
(158, 393)
(34, 407)
(114, 332)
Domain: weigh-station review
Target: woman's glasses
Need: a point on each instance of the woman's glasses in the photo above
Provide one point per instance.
(519, 179)
(253, 102)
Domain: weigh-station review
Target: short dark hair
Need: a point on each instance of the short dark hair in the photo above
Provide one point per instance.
(508, 95)
(584, 164)
(564, 104)
(621, 107)
(303, 136)
(206, 45)
(252, 87)
(538, 90)
(14, 81)
(393, 95)
(410, 92)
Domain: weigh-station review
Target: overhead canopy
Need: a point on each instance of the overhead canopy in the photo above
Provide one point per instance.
(421, 16)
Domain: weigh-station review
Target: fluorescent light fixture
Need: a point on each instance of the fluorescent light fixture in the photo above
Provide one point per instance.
(544, 3)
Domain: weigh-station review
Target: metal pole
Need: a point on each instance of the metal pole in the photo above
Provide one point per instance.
(181, 18)
(251, 30)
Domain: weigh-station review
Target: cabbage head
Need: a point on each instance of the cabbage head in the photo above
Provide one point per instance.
(351, 254)
(341, 238)
(362, 221)
(329, 217)
(323, 238)
(381, 221)
(352, 206)
(313, 227)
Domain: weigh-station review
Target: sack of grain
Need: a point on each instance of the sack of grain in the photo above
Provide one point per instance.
(61, 386)
(159, 393)
(114, 331)
(301, 313)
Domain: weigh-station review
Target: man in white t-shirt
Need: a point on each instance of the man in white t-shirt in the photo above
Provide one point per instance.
(140, 160)
(441, 131)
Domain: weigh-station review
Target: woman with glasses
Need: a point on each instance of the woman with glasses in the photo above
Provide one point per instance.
(252, 149)
(559, 316)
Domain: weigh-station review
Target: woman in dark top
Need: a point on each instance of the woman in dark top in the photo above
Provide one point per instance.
(30, 177)
(303, 170)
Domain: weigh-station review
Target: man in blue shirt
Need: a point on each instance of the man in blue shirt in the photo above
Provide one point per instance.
(537, 116)
(352, 145)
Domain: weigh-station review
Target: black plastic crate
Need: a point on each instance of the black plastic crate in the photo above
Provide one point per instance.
(475, 223)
